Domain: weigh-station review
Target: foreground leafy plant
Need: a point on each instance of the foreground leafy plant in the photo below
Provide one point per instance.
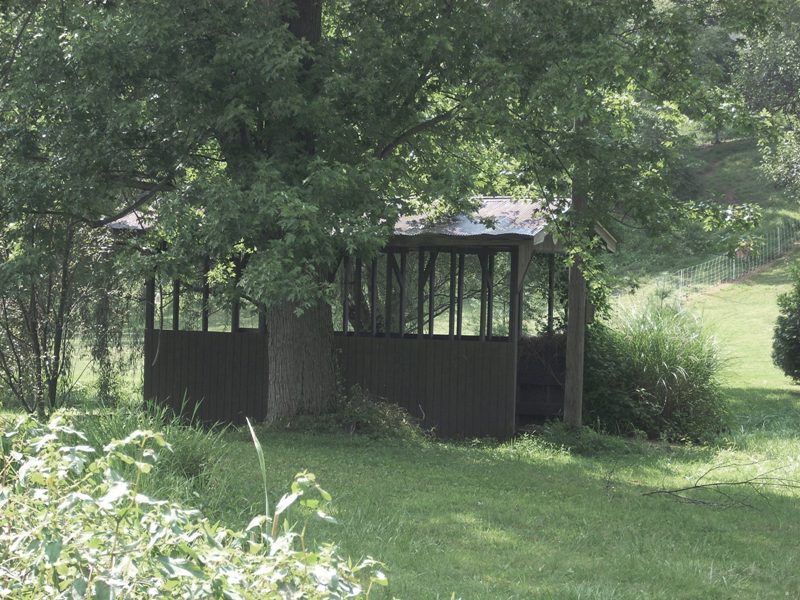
(72, 526)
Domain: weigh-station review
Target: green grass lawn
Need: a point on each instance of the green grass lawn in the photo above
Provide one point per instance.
(764, 403)
(532, 519)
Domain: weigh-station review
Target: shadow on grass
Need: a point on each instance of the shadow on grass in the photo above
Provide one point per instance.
(484, 523)
(764, 408)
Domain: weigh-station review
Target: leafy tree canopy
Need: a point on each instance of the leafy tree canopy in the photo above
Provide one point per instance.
(768, 75)
(274, 135)
(292, 149)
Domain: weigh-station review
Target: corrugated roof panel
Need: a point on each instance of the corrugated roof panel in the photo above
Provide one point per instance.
(134, 220)
(494, 217)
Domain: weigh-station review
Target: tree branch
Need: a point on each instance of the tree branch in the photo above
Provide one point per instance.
(96, 223)
(415, 129)
(755, 483)
(5, 74)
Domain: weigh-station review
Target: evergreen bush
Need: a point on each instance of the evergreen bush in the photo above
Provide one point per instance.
(654, 371)
(786, 337)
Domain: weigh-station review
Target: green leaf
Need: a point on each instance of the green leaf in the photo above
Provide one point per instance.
(180, 567)
(102, 591)
(285, 502)
(114, 493)
(52, 550)
(144, 467)
(257, 521)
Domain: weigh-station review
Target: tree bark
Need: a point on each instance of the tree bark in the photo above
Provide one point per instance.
(56, 368)
(307, 22)
(301, 362)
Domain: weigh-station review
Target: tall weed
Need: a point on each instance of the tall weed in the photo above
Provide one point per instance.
(188, 470)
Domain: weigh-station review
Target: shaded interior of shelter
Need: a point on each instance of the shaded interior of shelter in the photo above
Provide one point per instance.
(463, 330)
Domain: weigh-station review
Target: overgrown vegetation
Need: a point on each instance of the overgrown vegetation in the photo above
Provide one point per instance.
(786, 338)
(357, 413)
(555, 514)
(75, 523)
(188, 469)
(654, 371)
(724, 175)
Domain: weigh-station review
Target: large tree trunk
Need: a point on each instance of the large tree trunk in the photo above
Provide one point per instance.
(301, 361)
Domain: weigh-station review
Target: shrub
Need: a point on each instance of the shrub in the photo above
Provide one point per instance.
(786, 338)
(74, 526)
(654, 371)
(358, 413)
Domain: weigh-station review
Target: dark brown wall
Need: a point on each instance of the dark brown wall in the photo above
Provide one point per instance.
(541, 376)
(226, 373)
(459, 387)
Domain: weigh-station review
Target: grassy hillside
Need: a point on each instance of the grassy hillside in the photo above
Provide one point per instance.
(558, 516)
(728, 173)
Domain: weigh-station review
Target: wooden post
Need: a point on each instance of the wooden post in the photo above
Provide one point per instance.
(176, 305)
(513, 309)
(358, 325)
(576, 324)
(420, 292)
(401, 281)
(513, 324)
(452, 312)
(387, 325)
(576, 302)
(482, 260)
(150, 304)
(576, 309)
(206, 296)
(373, 295)
(551, 281)
(490, 297)
(431, 285)
(460, 317)
(345, 294)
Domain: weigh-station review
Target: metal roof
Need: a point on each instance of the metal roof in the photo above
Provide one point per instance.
(495, 216)
(133, 221)
(496, 220)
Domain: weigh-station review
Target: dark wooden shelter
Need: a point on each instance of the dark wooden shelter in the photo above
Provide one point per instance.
(433, 324)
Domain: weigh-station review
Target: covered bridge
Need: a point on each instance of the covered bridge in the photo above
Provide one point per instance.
(433, 324)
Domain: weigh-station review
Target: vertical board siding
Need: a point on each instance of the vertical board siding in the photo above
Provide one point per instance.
(222, 376)
(540, 376)
(460, 388)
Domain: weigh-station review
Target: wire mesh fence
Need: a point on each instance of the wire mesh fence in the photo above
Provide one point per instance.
(721, 269)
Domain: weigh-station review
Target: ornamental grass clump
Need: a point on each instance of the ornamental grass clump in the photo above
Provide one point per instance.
(72, 525)
(654, 371)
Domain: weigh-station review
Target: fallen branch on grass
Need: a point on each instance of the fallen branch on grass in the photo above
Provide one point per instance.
(725, 489)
